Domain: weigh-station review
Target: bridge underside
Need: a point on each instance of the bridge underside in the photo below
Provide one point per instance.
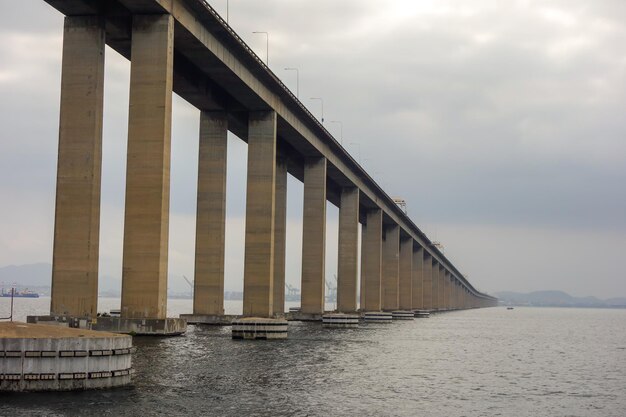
(182, 46)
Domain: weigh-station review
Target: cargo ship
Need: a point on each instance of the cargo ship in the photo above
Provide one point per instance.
(19, 294)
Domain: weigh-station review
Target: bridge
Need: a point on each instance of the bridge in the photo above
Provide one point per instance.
(185, 47)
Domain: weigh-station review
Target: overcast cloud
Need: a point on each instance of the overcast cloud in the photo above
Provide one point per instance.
(501, 123)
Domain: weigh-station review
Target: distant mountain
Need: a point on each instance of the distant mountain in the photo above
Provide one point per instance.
(556, 299)
(31, 275)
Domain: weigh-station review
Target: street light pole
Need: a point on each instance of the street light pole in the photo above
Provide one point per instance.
(267, 47)
(340, 130)
(227, 10)
(321, 101)
(297, 80)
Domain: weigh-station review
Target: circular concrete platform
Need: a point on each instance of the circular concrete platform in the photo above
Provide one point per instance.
(253, 328)
(378, 316)
(421, 314)
(402, 315)
(39, 357)
(340, 320)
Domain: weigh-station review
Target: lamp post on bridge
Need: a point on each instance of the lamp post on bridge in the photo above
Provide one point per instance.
(267, 46)
(322, 102)
(297, 81)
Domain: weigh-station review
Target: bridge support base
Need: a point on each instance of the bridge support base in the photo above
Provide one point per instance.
(138, 327)
(253, 328)
(212, 319)
(340, 320)
(377, 317)
(402, 315)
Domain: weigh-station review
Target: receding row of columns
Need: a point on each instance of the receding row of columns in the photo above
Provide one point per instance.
(396, 272)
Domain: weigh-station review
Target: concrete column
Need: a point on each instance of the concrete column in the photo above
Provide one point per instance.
(391, 255)
(372, 261)
(427, 281)
(442, 290)
(280, 234)
(406, 274)
(146, 221)
(435, 285)
(258, 281)
(314, 236)
(77, 211)
(348, 250)
(208, 292)
(446, 289)
(417, 302)
(362, 270)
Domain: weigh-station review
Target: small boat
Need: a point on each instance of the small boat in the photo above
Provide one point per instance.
(509, 308)
(19, 294)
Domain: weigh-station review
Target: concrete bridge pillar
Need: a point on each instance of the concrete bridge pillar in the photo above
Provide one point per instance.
(427, 281)
(447, 288)
(406, 274)
(435, 286)
(208, 293)
(417, 302)
(371, 255)
(280, 234)
(77, 214)
(391, 255)
(348, 250)
(314, 236)
(441, 284)
(146, 222)
(258, 296)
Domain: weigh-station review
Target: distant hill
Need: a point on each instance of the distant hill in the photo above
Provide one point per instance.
(556, 299)
(31, 275)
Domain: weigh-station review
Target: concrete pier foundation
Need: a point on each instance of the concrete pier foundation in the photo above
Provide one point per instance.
(405, 295)
(418, 279)
(208, 290)
(280, 234)
(258, 295)
(146, 221)
(348, 248)
(427, 286)
(314, 236)
(372, 261)
(391, 255)
(77, 211)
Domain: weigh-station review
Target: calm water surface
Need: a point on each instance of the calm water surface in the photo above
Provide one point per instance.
(489, 362)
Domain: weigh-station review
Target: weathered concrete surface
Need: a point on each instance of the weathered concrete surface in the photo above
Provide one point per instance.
(406, 274)
(348, 249)
(37, 357)
(140, 327)
(77, 217)
(254, 328)
(427, 285)
(146, 221)
(208, 291)
(280, 234)
(418, 278)
(212, 319)
(314, 236)
(390, 280)
(371, 253)
(258, 295)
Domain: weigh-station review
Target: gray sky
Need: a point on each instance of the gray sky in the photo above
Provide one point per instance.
(501, 123)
